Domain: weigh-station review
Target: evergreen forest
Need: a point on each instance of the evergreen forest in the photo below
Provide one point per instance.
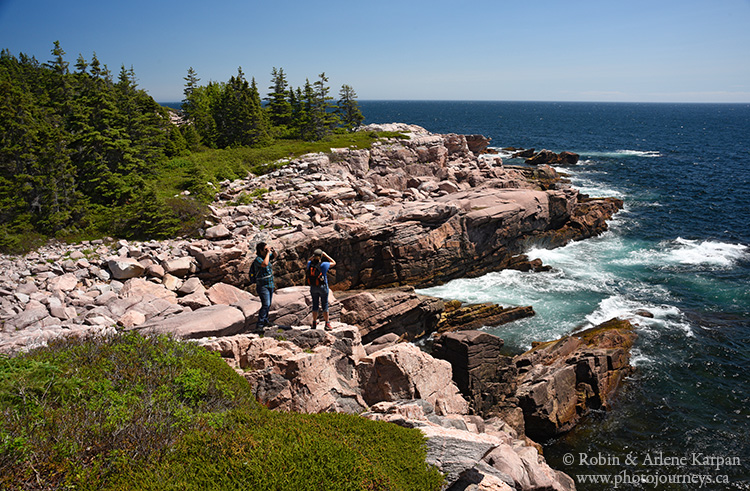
(86, 154)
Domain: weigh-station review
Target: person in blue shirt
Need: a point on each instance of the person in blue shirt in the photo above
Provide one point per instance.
(264, 281)
(317, 277)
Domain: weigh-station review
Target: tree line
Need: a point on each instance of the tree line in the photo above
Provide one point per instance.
(80, 148)
(232, 113)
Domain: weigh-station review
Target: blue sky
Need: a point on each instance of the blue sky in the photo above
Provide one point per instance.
(542, 50)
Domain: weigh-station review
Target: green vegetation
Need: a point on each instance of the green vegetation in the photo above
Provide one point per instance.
(134, 412)
(193, 172)
(84, 155)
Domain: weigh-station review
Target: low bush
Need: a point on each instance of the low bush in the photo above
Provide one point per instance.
(150, 412)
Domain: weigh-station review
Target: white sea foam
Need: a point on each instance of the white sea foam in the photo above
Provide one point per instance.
(591, 282)
(707, 252)
(638, 359)
(640, 153)
(689, 252)
(589, 186)
(625, 153)
(661, 316)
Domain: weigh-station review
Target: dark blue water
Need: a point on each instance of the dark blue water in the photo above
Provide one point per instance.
(680, 250)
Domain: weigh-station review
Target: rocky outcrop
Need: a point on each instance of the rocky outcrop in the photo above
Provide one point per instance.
(417, 211)
(475, 453)
(456, 316)
(308, 370)
(399, 311)
(316, 371)
(562, 380)
(545, 391)
(462, 234)
(486, 378)
(548, 157)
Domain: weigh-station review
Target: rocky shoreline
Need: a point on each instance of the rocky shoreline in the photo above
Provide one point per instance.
(406, 213)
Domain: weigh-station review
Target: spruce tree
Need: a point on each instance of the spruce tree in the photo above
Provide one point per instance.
(189, 104)
(299, 113)
(323, 110)
(81, 64)
(279, 105)
(318, 118)
(309, 117)
(348, 109)
(58, 64)
(198, 107)
(240, 119)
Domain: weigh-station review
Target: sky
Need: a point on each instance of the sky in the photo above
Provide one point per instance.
(541, 50)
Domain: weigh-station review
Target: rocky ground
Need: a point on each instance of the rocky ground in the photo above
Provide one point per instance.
(408, 212)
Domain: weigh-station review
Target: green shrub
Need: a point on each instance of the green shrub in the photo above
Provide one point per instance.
(136, 412)
(247, 198)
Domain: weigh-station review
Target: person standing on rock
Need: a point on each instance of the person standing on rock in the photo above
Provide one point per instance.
(316, 275)
(262, 269)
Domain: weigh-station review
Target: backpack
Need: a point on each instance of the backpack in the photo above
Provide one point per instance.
(314, 276)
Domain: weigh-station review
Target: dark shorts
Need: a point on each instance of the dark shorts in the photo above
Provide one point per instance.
(319, 298)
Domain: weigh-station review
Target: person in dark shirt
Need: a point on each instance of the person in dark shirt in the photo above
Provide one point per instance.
(264, 281)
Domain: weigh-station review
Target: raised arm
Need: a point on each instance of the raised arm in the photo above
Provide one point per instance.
(329, 259)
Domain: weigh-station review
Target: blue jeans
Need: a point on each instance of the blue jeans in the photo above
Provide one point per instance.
(266, 295)
(319, 298)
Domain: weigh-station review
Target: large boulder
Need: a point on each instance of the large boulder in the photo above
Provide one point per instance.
(179, 267)
(478, 143)
(562, 380)
(403, 371)
(139, 287)
(528, 469)
(456, 451)
(292, 306)
(224, 294)
(398, 311)
(216, 320)
(123, 268)
(64, 283)
(547, 157)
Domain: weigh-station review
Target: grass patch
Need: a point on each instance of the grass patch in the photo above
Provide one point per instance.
(135, 412)
(247, 198)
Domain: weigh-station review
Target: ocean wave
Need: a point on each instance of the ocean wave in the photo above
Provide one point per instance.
(639, 153)
(624, 153)
(707, 252)
(687, 252)
(583, 182)
(646, 316)
(511, 287)
(638, 359)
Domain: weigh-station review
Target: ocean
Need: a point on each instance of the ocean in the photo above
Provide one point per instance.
(680, 250)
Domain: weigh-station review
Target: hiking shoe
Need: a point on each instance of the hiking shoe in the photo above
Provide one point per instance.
(328, 326)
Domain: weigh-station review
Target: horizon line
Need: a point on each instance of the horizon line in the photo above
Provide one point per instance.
(524, 101)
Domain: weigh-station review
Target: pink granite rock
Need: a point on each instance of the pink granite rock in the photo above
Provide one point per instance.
(123, 268)
(216, 320)
(403, 371)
